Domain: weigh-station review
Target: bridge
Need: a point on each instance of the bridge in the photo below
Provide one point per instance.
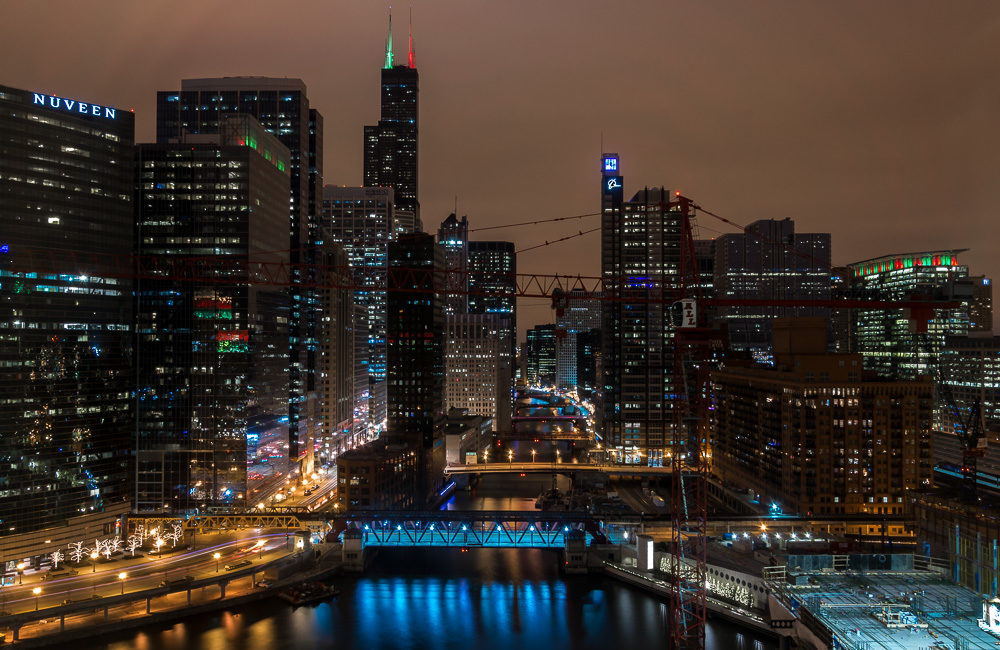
(558, 468)
(466, 529)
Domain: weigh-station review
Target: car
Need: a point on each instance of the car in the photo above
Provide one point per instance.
(238, 565)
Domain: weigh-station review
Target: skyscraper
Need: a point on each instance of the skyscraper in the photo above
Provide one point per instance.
(415, 351)
(580, 315)
(477, 369)
(640, 258)
(66, 380)
(390, 147)
(360, 220)
(211, 355)
(540, 355)
(281, 105)
(769, 261)
(336, 365)
(453, 236)
(886, 339)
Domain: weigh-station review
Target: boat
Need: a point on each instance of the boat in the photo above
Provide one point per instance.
(307, 593)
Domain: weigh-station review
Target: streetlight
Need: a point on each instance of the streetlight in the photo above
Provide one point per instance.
(510, 456)
(93, 556)
(122, 576)
(216, 555)
(159, 543)
(36, 591)
(532, 455)
(20, 572)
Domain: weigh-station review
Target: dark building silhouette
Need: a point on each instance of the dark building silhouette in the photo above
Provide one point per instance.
(212, 355)
(540, 355)
(453, 237)
(66, 381)
(415, 349)
(390, 147)
(281, 105)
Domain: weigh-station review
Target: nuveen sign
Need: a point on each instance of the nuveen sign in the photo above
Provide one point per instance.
(74, 106)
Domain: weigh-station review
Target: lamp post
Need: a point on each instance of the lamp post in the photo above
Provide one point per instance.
(159, 543)
(122, 576)
(93, 557)
(36, 591)
(532, 455)
(20, 572)
(510, 456)
(216, 556)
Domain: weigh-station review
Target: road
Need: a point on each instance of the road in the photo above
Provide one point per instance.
(143, 572)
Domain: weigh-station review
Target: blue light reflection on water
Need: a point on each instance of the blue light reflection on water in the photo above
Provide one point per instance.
(510, 599)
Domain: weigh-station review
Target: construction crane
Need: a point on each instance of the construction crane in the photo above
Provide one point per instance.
(969, 430)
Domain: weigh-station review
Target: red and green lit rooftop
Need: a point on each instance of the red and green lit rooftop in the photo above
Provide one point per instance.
(905, 261)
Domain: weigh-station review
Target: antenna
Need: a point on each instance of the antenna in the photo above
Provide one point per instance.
(409, 60)
(388, 43)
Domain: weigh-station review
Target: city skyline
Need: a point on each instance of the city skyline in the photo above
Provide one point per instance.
(890, 120)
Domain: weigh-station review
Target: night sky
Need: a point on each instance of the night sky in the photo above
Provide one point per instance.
(876, 121)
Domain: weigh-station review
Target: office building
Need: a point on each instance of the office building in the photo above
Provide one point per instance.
(581, 314)
(211, 354)
(390, 147)
(640, 258)
(540, 355)
(66, 379)
(769, 261)
(492, 284)
(888, 340)
(336, 366)
(415, 352)
(281, 106)
(379, 475)
(477, 369)
(362, 431)
(968, 396)
(453, 237)
(588, 361)
(814, 436)
(360, 220)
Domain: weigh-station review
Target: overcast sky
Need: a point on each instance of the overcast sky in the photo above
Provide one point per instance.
(876, 121)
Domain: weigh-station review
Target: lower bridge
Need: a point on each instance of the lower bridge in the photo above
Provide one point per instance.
(476, 529)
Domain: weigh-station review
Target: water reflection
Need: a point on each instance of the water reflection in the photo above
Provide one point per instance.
(441, 599)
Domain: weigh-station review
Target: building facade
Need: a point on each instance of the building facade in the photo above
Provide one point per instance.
(66, 349)
(379, 475)
(390, 147)
(360, 220)
(211, 353)
(814, 436)
(887, 339)
(336, 430)
(769, 261)
(281, 106)
(540, 355)
(581, 314)
(477, 369)
(453, 237)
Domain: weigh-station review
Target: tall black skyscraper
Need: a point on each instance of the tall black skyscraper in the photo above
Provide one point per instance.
(212, 354)
(66, 383)
(282, 108)
(453, 236)
(390, 155)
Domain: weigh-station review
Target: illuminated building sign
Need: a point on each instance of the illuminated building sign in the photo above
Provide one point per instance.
(73, 106)
(213, 308)
(233, 341)
(611, 164)
(882, 266)
(613, 185)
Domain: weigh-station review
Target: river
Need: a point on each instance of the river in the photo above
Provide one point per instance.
(444, 599)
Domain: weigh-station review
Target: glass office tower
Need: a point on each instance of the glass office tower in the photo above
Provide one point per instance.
(65, 318)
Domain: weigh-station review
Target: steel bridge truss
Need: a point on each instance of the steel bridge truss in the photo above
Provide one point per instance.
(467, 529)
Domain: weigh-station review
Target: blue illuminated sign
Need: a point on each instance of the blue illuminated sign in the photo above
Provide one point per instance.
(4, 249)
(610, 163)
(614, 183)
(74, 106)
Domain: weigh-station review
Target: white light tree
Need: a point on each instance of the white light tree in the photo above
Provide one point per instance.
(57, 557)
(76, 551)
(173, 536)
(116, 544)
(178, 533)
(133, 543)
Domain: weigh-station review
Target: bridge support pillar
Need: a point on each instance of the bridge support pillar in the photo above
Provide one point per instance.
(222, 589)
(148, 600)
(62, 623)
(15, 630)
(189, 596)
(105, 614)
(575, 552)
(353, 550)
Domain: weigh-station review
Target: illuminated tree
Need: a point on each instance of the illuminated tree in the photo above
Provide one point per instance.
(76, 551)
(57, 557)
